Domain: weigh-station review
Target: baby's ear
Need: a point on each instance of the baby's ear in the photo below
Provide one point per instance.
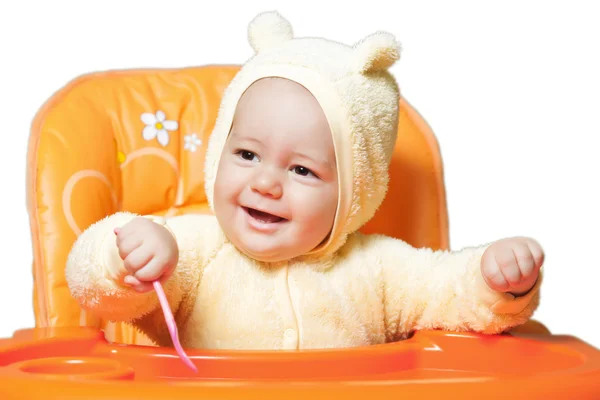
(268, 29)
(376, 52)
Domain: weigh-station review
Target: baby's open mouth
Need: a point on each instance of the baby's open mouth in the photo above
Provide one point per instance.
(263, 217)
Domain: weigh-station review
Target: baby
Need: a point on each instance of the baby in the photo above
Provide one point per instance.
(296, 164)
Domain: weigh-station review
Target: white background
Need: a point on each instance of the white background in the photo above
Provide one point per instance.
(511, 90)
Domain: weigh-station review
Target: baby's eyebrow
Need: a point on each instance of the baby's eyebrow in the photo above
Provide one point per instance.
(236, 136)
(324, 163)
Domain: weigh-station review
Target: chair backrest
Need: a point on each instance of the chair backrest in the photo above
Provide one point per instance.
(94, 149)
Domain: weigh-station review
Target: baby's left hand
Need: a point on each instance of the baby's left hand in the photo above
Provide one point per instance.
(512, 265)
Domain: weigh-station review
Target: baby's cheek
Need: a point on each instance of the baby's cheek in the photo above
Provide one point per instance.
(325, 203)
(228, 180)
(315, 208)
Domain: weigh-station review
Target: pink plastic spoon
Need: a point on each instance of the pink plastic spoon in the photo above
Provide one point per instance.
(172, 326)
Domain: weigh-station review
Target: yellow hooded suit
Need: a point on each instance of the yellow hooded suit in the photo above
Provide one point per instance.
(354, 289)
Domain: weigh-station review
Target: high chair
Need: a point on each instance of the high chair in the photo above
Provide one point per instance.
(87, 158)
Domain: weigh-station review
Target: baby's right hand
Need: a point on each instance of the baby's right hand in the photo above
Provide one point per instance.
(149, 252)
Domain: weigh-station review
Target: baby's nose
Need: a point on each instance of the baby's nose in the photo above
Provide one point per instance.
(267, 183)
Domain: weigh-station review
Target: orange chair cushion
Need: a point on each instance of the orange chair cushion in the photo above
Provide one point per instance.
(88, 158)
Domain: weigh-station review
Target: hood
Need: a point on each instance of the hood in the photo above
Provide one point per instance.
(359, 98)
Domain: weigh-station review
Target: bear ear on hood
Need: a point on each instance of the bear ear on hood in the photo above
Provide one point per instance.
(267, 30)
(376, 52)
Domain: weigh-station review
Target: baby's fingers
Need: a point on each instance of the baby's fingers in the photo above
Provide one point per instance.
(153, 270)
(524, 258)
(137, 285)
(537, 253)
(492, 272)
(127, 244)
(137, 259)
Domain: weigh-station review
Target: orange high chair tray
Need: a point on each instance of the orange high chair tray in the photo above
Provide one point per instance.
(67, 362)
(87, 159)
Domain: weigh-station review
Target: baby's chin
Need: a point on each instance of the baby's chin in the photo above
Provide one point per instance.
(268, 255)
(262, 250)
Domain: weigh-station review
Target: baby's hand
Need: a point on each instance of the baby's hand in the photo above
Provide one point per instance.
(149, 252)
(512, 265)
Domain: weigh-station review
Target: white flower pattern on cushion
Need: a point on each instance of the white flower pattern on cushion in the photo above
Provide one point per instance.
(192, 142)
(157, 126)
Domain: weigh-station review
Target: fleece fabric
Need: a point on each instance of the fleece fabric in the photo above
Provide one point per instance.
(354, 289)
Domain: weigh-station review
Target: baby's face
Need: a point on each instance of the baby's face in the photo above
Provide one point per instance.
(276, 189)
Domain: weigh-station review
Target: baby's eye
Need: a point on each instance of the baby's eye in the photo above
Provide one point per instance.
(303, 171)
(247, 155)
